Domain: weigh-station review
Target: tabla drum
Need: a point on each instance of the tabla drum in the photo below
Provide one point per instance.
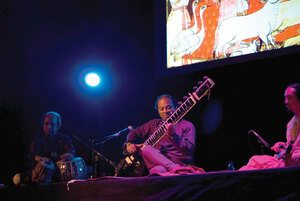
(42, 172)
(73, 169)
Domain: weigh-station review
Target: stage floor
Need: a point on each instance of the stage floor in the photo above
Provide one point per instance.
(269, 184)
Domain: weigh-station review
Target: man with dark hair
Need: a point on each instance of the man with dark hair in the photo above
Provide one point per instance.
(52, 144)
(45, 150)
(288, 153)
(175, 149)
(292, 102)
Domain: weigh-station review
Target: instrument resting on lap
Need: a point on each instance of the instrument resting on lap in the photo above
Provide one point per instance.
(132, 165)
(286, 151)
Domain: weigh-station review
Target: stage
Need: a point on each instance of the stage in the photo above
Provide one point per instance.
(269, 184)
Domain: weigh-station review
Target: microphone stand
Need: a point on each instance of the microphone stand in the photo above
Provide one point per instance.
(261, 141)
(262, 148)
(96, 155)
(95, 159)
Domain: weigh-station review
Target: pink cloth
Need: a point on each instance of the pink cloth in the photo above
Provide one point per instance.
(263, 162)
(181, 171)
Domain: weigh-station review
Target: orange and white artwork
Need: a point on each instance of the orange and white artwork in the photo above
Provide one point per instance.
(204, 30)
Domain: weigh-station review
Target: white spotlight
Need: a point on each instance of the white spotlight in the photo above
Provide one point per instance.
(92, 79)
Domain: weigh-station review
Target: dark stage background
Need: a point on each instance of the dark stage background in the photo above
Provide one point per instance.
(44, 45)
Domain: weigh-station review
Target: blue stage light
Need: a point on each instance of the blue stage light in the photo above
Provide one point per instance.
(92, 79)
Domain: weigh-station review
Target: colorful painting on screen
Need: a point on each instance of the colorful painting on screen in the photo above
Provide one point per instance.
(204, 30)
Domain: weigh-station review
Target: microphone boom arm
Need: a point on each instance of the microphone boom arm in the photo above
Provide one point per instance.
(260, 139)
(98, 153)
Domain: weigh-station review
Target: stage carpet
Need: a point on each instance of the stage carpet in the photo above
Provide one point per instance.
(270, 184)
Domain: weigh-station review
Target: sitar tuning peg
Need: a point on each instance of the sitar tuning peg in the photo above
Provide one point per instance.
(185, 97)
(200, 82)
(205, 78)
(195, 87)
(179, 103)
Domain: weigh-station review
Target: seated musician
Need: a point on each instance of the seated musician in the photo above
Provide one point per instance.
(285, 156)
(46, 149)
(175, 149)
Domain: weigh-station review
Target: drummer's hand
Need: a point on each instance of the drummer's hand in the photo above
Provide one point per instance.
(278, 146)
(66, 157)
(40, 158)
(132, 148)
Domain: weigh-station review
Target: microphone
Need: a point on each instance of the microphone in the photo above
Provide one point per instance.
(129, 128)
(261, 140)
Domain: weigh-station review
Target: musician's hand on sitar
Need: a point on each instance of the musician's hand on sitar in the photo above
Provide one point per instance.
(170, 130)
(131, 148)
(279, 146)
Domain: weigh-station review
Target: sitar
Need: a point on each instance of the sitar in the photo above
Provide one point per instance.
(133, 165)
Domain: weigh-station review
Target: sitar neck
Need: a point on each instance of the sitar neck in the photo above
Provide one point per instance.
(179, 113)
(173, 119)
